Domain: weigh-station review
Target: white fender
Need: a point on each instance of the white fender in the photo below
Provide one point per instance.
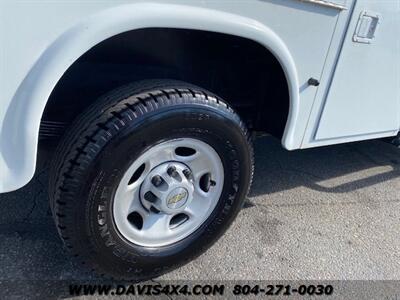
(20, 131)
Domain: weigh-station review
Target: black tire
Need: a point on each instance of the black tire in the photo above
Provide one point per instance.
(107, 138)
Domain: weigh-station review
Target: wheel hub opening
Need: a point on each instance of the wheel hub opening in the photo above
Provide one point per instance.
(168, 188)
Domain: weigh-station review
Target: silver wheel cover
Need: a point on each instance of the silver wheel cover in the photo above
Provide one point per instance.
(168, 192)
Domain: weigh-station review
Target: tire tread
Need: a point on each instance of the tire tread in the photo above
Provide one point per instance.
(97, 125)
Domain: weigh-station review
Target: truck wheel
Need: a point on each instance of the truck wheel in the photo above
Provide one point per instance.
(149, 177)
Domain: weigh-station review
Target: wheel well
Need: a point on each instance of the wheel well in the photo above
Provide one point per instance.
(241, 71)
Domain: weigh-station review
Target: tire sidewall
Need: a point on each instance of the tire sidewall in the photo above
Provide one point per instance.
(217, 128)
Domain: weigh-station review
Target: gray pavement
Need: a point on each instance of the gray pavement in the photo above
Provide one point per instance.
(326, 213)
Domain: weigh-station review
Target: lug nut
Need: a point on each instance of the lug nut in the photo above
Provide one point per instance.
(187, 173)
(172, 171)
(149, 196)
(154, 209)
(157, 180)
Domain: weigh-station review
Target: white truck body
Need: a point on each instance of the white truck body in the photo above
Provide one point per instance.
(352, 47)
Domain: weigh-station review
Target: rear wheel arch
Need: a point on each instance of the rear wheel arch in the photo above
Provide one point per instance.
(32, 95)
(241, 71)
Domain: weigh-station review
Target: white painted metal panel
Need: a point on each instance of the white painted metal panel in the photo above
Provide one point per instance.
(364, 97)
(41, 39)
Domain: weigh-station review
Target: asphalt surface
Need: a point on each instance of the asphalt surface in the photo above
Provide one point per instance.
(326, 213)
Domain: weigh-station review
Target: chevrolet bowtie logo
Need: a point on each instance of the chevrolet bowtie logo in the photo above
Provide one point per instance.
(176, 198)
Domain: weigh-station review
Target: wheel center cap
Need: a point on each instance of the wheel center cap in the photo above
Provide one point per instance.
(168, 188)
(177, 198)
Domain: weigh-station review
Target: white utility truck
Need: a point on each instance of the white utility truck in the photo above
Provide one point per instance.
(153, 105)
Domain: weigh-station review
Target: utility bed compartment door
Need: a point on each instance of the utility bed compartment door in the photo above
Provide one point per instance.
(364, 95)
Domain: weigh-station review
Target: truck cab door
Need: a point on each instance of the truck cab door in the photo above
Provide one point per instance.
(363, 100)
